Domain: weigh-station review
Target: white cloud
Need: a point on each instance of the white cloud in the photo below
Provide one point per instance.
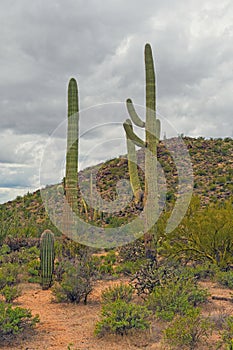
(101, 43)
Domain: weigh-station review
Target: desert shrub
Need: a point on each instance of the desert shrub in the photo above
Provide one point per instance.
(15, 320)
(119, 317)
(102, 265)
(227, 334)
(21, 256)
(69, 249)
(33, 268)
(150, 275)
(219, 319)
(16, 243)
(9, 275)
(60, 267)
(10, 293)
(132, 251)
(119, 292)
(205, 234)
(186, 332)
(204, 271)
(11, 258)
(130, 267)
(110, 257)
(5, 249)
(26, 255)
(76, 283)
(225, 278)
(105, 268)
(176, 297)
(229, 345)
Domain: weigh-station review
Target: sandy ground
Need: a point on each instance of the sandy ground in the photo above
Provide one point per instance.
(66, 324)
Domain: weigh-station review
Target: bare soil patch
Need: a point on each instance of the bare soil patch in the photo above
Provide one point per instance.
(67, 324)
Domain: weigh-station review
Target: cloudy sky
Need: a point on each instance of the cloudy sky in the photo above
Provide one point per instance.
(101, 43)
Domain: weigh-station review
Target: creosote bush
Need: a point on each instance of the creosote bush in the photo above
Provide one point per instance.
(186, 332)
(10, 293)
(119, 317)
(203, 271)
(176, 297)
(9, 275)
(129, 268)
(119, 292)
(76, 283)
(14, 321)
(119, 314)
(16, 243)
(227, 334)
(225, 278)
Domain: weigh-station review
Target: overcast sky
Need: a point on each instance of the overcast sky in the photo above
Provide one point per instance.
(101, 44)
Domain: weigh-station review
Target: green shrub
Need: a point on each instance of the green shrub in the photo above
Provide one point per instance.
(204, 271)
(60, 267)
(230, 345)
(33, 267)
(205, 234)
(5, 249)
(132, 251)
(75, 284)
(225, 278)
(150, 275)
(16, 243)
(130, 267)
(9, 274)
(227, 334)
(15, 320)
(21, 256)
(186, 332)
(119, 292)
(68, 249)
(103, 265)
(176, 297)
(119, 317)
(10, 293)
(105, 268)
(110, 258)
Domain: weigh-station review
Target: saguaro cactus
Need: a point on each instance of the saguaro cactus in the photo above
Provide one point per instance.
(152, 131)
(47, 256)
(71, 177)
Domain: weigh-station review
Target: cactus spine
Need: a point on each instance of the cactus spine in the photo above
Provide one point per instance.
(152, 131)
(47, 256)
(71, 178)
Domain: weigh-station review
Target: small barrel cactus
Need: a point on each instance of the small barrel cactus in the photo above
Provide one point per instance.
(47, 256)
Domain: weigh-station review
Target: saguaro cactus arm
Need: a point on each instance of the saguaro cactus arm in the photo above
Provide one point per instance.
(133, 114)
(131, 134)
(158, 130)
(132, 165)
(152, 131)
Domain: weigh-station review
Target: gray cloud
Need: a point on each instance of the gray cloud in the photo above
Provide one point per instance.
(101, 43)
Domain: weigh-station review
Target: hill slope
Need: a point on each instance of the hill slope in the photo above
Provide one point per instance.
(212, 162)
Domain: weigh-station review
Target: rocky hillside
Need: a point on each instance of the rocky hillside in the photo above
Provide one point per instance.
(212, 162)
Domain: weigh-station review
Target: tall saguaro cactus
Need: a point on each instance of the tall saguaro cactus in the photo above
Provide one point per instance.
(152, 134)
(47, 256)
(71, 177)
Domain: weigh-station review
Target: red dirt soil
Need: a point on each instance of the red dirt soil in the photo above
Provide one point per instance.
(67, 324)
